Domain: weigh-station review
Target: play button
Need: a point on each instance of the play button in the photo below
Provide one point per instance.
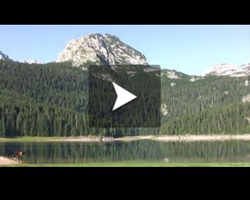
(123, 96)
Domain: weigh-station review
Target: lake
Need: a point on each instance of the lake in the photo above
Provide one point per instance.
(143, 150)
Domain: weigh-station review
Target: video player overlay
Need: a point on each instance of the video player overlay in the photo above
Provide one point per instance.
(126, 96)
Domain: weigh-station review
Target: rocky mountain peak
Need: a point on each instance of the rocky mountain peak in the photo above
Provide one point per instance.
(4, 57)
(229, 70)
(100, 49)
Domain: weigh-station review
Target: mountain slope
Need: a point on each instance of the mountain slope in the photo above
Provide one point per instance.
(205, 105)
(100, 49)
(53, 102)
(229, 70)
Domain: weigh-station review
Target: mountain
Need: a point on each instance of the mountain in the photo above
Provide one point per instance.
(51, 99)
(205, 104)
(229, 70)
(4, 57)
(100, 49)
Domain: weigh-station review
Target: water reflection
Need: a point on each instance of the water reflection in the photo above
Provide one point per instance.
(75, 152)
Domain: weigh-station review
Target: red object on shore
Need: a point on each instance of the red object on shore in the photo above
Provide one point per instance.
(19, 153)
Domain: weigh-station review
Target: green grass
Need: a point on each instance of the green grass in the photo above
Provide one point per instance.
(135, 164)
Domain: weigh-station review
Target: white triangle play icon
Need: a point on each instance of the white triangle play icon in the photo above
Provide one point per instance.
(123, 96)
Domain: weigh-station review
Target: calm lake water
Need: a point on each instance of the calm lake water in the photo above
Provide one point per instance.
(76, 152)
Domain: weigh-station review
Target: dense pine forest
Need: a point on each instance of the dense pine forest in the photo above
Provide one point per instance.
(51, 100)
(206, 105)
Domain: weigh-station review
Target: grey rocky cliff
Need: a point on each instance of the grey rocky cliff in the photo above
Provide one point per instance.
(100, 49)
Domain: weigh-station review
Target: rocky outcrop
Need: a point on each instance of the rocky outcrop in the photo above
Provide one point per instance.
(100, 49)
(4, 57)
(229, 70)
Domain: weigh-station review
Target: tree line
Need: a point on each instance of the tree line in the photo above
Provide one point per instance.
(52, 100)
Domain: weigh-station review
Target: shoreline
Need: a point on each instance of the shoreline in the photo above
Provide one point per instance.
(132, 164)
(160, 138)
(8, 161)
(196, 138)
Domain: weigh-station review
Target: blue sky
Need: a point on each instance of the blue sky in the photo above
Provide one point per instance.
(189, 49)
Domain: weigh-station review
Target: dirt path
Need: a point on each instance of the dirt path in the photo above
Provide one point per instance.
(88, 139)
(191, 138)
(7, 161)
(81, 139)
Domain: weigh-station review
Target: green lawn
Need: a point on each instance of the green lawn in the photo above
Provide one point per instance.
(138, 164)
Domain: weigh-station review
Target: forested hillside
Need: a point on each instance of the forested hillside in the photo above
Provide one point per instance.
(43, 100)
(51, 100)
(206, 105)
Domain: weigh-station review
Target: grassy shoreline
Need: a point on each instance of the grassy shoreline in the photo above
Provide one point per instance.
(162, 138)
(134, 164)
(67, 139)
(31, 139)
